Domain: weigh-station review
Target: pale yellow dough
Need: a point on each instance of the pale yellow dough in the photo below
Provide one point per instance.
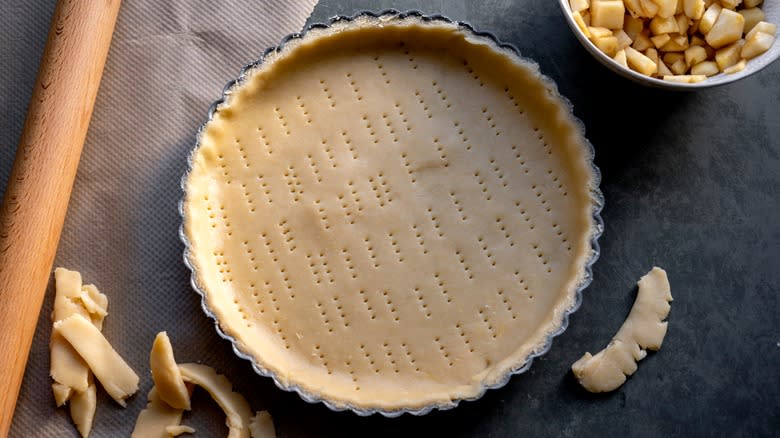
(82, 408)
(644, 329)
(156, 418)
(237, 412)
(95, 303)
(166, 375)
(179, 430)
(72, 377)
(61, 392)
(114, 374)
(262, 425)
(390, 215)
(66, 367)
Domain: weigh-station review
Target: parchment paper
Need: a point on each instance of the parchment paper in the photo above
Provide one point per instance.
(168, 61)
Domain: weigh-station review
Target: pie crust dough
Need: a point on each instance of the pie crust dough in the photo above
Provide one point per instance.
(262, 425)
(67, 368)
(166, 375)
(72, 378)
(156, 418)
(114, 374)
(238, 415)
(61, 392)
(179, 430)
(390, 213)
(82, 408)
(644, 329)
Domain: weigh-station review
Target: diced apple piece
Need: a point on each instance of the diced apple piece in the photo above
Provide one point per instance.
(666, 8)
(709, 18)
(632, 26)
(685, 79)
(607, 13)
(634, 8)
(652, 54)
(660, 40)
(671, 58)
(649, 8)
(695, 55)
(623, 39)
(693, 8)
(759, 43)
(730, 4)
(586, 17)
(752, 17)
(640, 62)
(659, 25)
(728, 56)
(683, 23)
(679, 67)
(581, 24)
(727, 29)
(663, 70)
(678, 43)
(642, 42)
(736, 68)
(620, 58)
(599, 32)
(706, 68)
(579, 5)
(762, 26)
(751, 3)
(608, 45)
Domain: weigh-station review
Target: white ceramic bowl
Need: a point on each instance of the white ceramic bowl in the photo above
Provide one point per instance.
(771, 9)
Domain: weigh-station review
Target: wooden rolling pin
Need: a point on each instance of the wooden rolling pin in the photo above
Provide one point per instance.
(41, 180)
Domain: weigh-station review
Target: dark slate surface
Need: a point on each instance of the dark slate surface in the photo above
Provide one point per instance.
(692, 184)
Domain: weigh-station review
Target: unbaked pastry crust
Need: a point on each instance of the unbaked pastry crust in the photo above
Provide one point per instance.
(644, 329)
(390, 214)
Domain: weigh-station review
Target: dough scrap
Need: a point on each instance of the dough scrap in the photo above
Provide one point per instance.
(67, 368)
(179, 429)
(156, 418)
(61, 392)
(116, 376)
(262, 425)
(95, 303)
(166, 375)
(82, 408)
(236, 408)
(643, 329)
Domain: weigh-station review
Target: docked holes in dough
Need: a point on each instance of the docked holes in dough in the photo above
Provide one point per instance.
(116, 376)
(237, 411)
(166, 375)
(156, 418)
(433, 202)
(643, 329)
(82, 408)
(67, 368)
